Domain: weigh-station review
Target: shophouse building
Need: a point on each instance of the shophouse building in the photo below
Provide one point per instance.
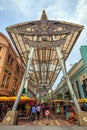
(78, 78)
(11, 68)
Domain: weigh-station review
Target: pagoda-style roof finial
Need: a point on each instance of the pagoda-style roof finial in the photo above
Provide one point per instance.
(44, 16)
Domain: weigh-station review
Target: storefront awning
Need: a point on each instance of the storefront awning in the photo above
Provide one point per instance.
(13, 98)
(83, 100)
(57, 100)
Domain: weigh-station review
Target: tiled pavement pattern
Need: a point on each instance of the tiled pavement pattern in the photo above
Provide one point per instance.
(54, 120)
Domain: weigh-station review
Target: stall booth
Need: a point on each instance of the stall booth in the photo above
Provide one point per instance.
(83, 104)
(57, 105)
(6, 104)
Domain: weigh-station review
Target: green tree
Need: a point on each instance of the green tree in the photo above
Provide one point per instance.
(24, 91)
(59, 96)
(67, 95)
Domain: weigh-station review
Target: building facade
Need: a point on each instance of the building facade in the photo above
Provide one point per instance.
(11, 68)
(78, 78)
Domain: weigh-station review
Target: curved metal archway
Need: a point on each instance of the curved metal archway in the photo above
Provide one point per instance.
(50, 43)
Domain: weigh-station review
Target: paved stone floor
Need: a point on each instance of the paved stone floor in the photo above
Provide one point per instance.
(45, 122)
(54, 120)
(34, 127)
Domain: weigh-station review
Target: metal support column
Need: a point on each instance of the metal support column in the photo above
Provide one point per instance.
(51, 93)
(30, 55)
(63, 67)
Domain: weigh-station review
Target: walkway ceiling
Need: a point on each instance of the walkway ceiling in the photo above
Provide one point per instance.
(45, 64)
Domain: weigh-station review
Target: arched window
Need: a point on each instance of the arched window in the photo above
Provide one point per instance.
(0, 51)
(0, 48)
(10, 60)
(3, 80)
(7, 82)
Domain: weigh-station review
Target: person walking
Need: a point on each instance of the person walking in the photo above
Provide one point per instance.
(38, 111)
(33, 111)
(67, 112)
(43, 110)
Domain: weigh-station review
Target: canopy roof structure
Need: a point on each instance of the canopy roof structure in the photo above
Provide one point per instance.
(45, 65)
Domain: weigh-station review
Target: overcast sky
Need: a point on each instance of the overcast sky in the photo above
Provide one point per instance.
(17, 11)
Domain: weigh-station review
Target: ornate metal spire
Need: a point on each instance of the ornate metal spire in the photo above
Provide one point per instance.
(44, 16)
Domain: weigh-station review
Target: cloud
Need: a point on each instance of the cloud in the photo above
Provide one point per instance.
(22, 7)
(30, 9)
(60, 9)
(81, 11)
(2, 7)
(81, 17)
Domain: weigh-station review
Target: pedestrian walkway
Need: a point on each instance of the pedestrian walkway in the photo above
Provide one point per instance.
(54, 120)
(45, 122)
(34, 127)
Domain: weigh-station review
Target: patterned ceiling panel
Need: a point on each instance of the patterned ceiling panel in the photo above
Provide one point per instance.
(45, 64)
